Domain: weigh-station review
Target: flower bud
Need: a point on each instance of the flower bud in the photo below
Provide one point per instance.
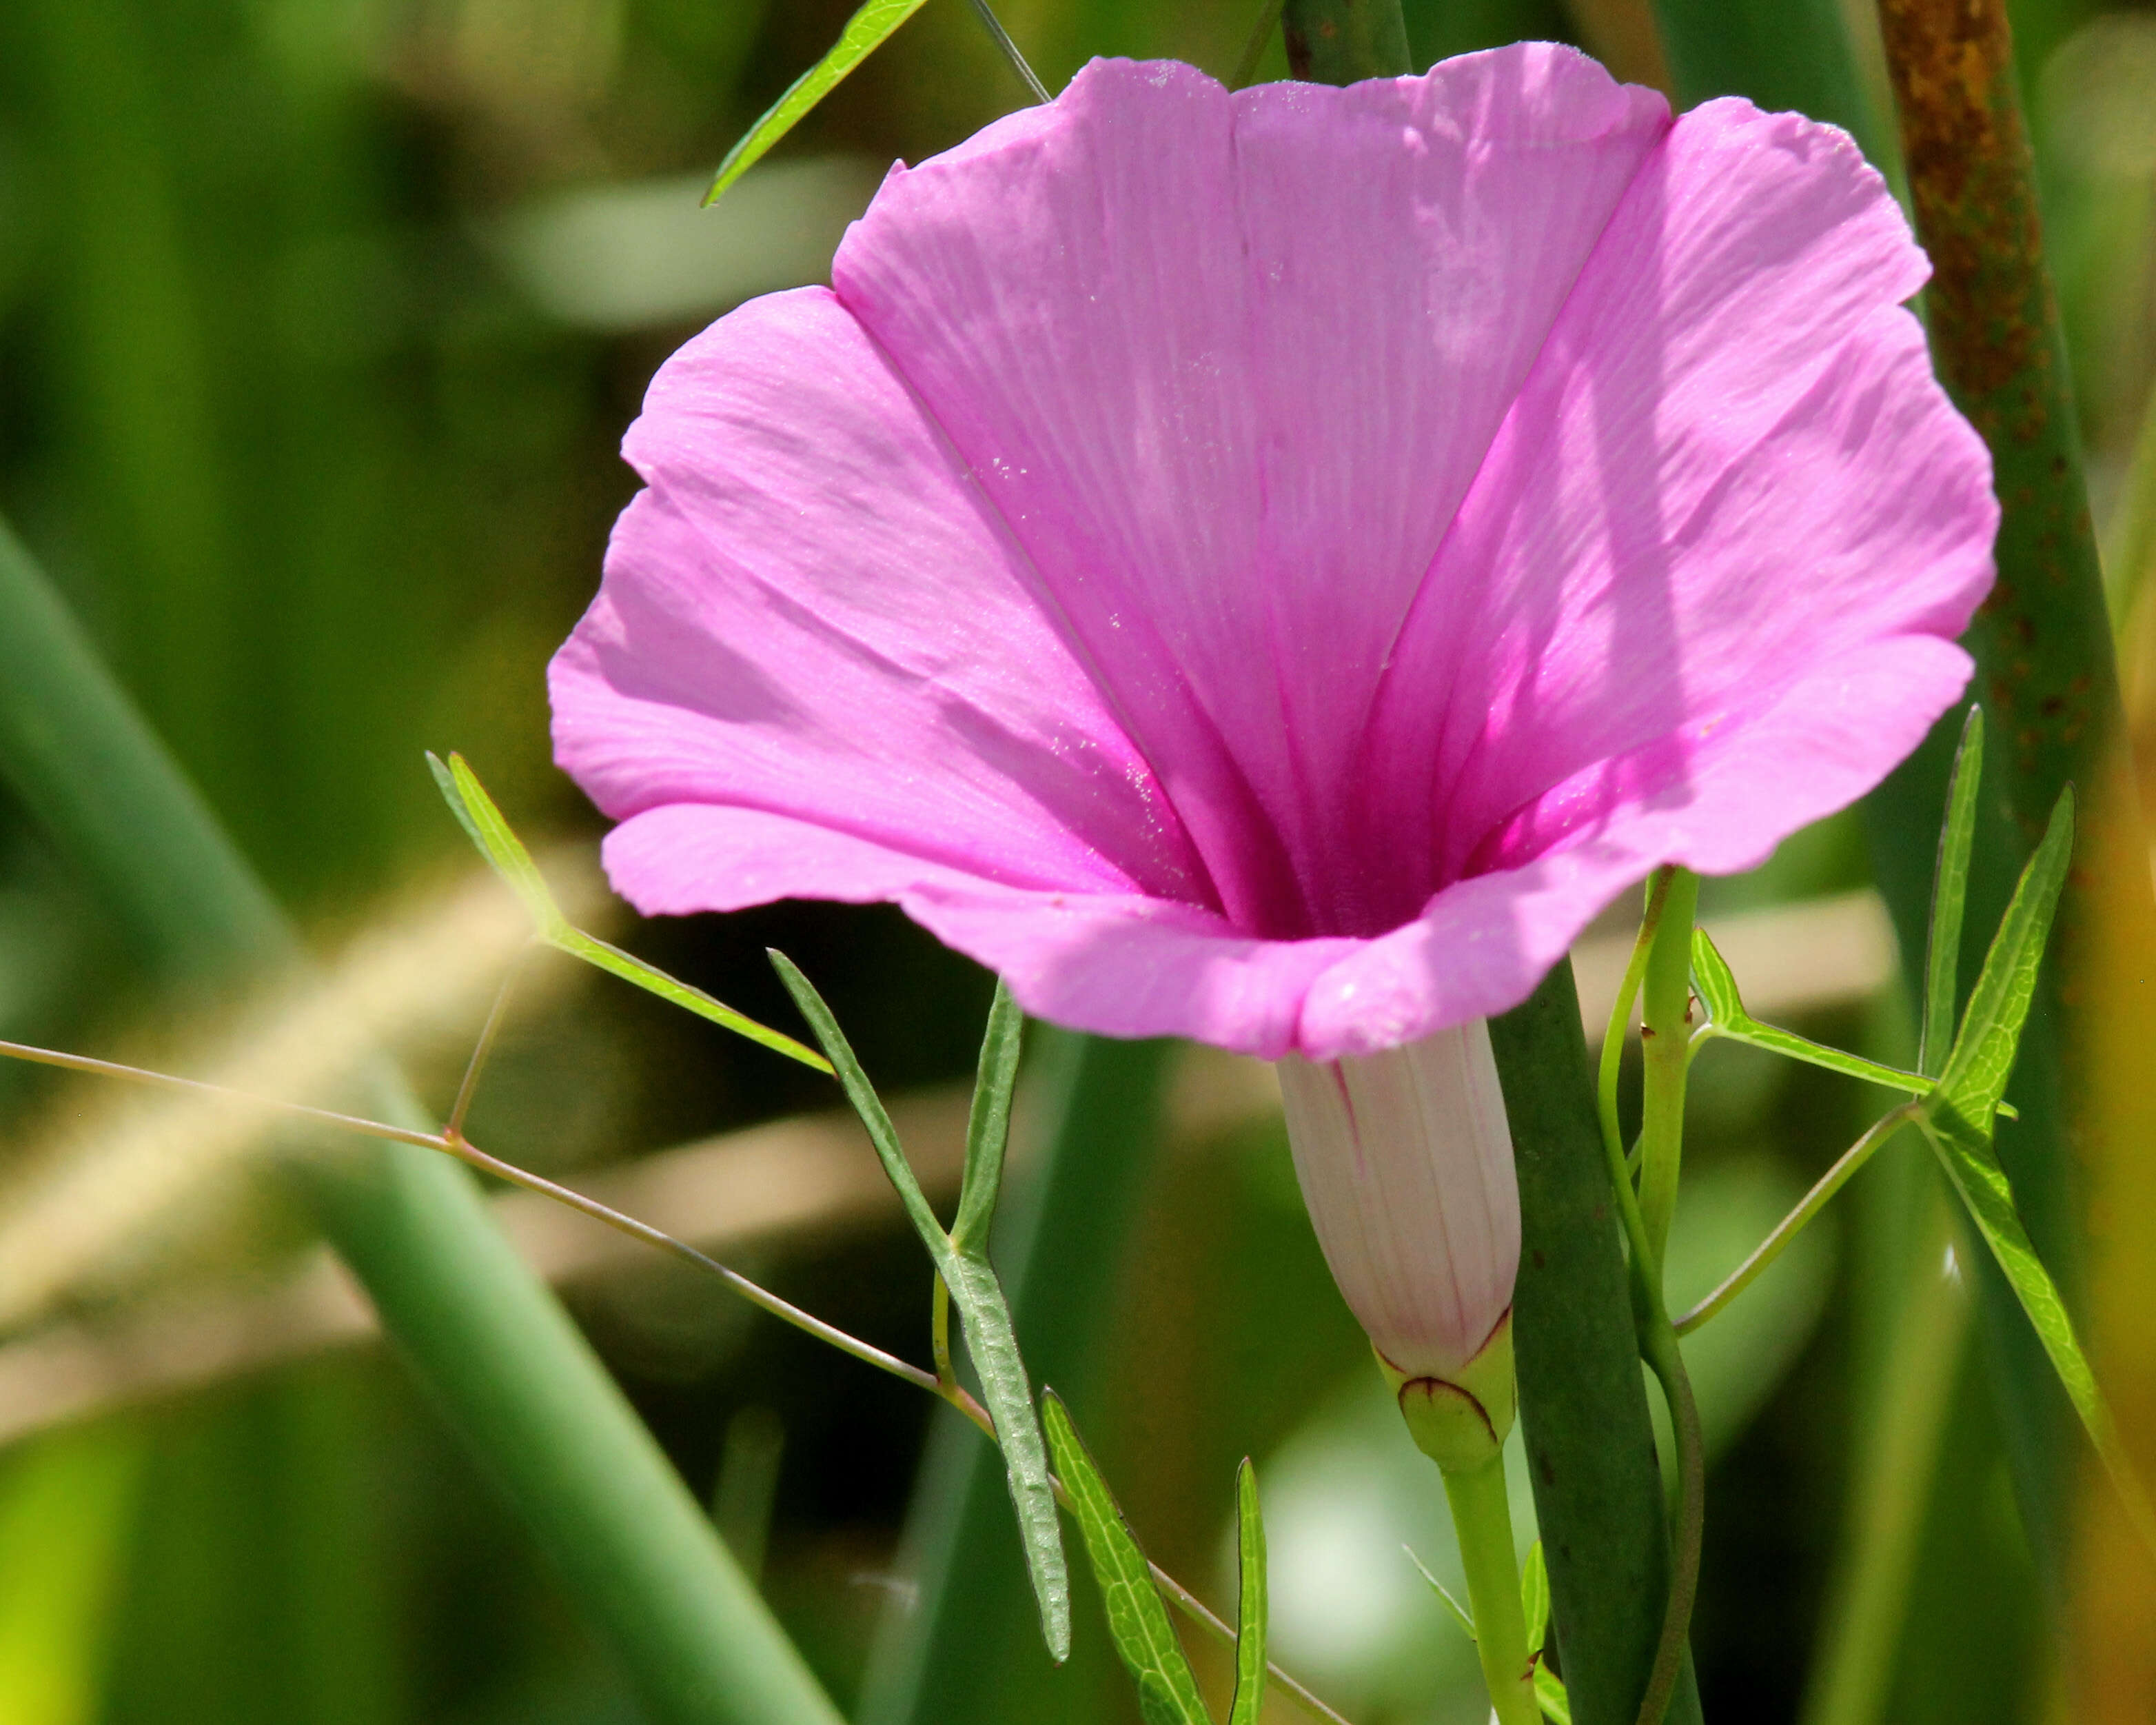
(1405, 1160)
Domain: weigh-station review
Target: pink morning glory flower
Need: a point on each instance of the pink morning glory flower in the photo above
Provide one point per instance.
(1270, 567)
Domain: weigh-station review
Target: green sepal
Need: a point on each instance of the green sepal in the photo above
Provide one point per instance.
(489, 829)
(866, 31)
(1250, 1600)
(1716, 988)
(1137, 1617)
(974, 1290)
(1461, 1422)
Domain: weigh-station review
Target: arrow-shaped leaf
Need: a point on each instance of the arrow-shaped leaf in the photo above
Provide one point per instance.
(1137, 1619)
(866, 31)
(972, 1284)
(1250, 1601)
(1956, 1121)
(1716, 988)
(498, 842)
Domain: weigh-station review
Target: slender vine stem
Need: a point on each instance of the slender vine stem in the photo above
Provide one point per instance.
(1658, 1340)
(941, 1383)
(1620, 1013)
(1002, 38)
(1831, 1182)
(481, 1048)
(1666, 1041)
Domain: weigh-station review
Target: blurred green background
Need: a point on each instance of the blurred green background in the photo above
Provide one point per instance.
(320, 322)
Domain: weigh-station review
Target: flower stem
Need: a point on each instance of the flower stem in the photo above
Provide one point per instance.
(1768, 1249)
(1666, 1044)
(1620, 1013)
(1482, 1516)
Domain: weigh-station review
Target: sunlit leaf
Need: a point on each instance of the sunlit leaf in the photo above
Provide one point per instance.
(1250, 1601)
(1949, 894)
(490, 829)
(1717, 991)
(1535, 1597)
(1956, 1121)
(1138, 1618)
(974, 1290)
(866, 31)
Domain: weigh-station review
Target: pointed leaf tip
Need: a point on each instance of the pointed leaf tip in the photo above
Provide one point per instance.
(1250, 1600)
(866, 31)
(1138, 1618)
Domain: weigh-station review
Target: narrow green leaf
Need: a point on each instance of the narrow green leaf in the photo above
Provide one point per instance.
(1250, 1600)
(1534, 1597)
(1459, 1613)
(1138, 1618)
(983, 1311)
(601, 955)
(1716, 988)
(1550, 1696)
(866, 31)
(869, 1107)
(1949, 895)
(1974, 1077)
(490, 829)
(993, 1343)
(476, 811)
(1956, 1121)
(988, 1129)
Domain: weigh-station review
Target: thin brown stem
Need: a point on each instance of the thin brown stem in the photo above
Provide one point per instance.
(945, 1388)
(481, 1048)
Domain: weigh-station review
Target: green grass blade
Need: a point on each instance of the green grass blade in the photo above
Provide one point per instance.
(1534, 1597)
(1949, 896)
(1250, 1601)
(988, 1128)
(993, 1343)
(489, 829)
(1138, 1618)
(866, 31)
(868, 1106)
(510, 1372)
(1460, 1615)
(1982, 1058)
(1717, 991)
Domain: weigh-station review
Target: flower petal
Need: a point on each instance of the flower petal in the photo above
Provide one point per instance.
(1116, 963)
(1227, 367)
(810, 611)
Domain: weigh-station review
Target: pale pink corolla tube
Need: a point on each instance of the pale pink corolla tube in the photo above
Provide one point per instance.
(1269, 568)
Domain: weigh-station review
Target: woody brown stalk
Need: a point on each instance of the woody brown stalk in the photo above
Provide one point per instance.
(2047, 671)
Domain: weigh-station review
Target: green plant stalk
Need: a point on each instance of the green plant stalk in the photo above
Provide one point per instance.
(493, 1347)
(1598, 1489)
(1611, 1060)
(1786, 54)
(1482, 1516)
(1344, 41)
(1666, 1049)
(1583, 1401)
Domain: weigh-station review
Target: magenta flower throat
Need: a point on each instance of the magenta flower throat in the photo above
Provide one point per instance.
(1269, 568)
